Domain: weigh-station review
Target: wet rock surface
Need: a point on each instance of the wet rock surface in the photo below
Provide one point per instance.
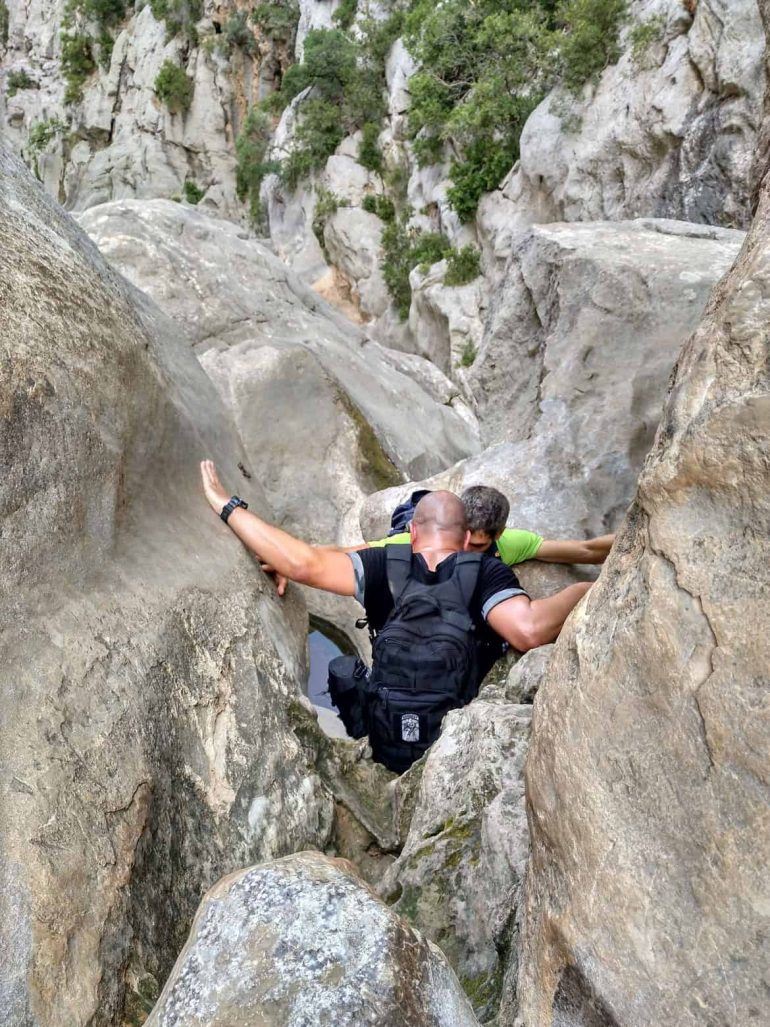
(302, 942)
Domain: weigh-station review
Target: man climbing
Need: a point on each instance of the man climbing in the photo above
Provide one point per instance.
(487, 510)
(428, 601)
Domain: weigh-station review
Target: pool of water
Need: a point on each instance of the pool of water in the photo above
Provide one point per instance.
(322, 650)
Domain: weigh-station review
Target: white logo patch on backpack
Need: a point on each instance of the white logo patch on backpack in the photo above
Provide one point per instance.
(410, 727)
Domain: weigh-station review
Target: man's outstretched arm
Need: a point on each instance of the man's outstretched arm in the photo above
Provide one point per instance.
(590, 550)
(527, 623)
(290, 557)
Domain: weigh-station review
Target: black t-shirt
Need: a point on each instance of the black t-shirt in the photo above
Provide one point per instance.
(496, 583)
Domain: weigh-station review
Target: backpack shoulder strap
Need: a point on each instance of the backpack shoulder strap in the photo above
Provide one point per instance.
(398, 561)
(466, 574)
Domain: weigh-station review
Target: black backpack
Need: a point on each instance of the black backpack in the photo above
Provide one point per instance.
(424, 659)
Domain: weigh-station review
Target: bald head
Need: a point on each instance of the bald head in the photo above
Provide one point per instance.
(439, 522)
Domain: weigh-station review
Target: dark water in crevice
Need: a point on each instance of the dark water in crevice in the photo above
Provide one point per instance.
(324, 643)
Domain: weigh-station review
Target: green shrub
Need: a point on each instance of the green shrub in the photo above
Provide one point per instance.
(105, 44)
(17, 80)
(77, 64)
(468, 354)
(250, 150)
(396, 265)
(643, 35)
(484, 67)
(405, 249)
(325, 205)
(463, 266)
(429, 248)
(278, 21)
(193, 192)
(106, 13)
(329, 65)
(4, 23)
(318, 134)
(237, 33)
(485, 165)
(174, 87)
(382, 206)
(81, 49)
(379, 35)
(42, 132)
(345, 14)
(396, 178)
(180, 16)
(590, 40)
(369, 153)
(347, 79)
(40, 135)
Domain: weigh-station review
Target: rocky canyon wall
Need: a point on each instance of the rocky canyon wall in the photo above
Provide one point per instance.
(147, 674)
(154, 735)
(647, 782)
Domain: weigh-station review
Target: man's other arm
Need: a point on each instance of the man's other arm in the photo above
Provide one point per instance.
(327, 569)
(528, 623)
(592, 550)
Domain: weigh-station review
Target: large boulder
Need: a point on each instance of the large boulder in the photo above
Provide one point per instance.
(302, 942)
(324, 417)
(584, 328)
(585, 325)
(352, 237)
(647, 779)
(668, 131)
(148, 671)
(458, 874)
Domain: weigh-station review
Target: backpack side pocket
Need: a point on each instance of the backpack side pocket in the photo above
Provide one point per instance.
(347, 678)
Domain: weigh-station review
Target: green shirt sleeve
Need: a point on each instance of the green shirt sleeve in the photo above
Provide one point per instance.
(396, 540)
(516, 545)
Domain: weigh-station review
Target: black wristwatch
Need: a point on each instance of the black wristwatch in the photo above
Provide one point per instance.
(228, 508)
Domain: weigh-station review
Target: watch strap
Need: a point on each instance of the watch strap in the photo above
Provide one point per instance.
(233, 504)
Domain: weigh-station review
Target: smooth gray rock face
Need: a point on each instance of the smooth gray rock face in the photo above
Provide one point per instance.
(147, 672)
(325, 418)
(584, 329)
(458, 875)
(647, 780)
(302, 942)
(590, 317)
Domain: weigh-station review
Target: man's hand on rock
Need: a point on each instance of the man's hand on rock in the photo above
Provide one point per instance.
(280, 581)
(212, 487)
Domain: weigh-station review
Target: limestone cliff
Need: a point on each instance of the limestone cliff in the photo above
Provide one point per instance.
(647, 780)
(81, 101)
